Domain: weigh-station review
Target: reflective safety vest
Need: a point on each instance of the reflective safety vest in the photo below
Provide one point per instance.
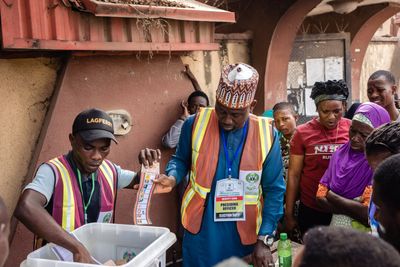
(205, 151)
(67, 199)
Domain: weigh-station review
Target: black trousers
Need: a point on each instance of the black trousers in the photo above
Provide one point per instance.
(309, 217)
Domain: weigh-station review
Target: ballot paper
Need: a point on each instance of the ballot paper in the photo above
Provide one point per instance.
(145, 192)
(61, 253)
(64, 254)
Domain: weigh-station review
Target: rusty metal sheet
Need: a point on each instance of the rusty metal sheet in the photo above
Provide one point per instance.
(195, 11)
(51, 25)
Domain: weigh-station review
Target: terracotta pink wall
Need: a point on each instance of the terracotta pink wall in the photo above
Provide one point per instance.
(150, 89)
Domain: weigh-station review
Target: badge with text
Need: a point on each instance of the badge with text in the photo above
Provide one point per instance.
(252, 180)
(229, 201)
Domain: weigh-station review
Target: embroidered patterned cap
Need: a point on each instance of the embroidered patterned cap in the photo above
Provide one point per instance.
(237, 86)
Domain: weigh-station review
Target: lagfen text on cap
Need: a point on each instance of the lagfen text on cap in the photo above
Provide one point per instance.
(93, 124)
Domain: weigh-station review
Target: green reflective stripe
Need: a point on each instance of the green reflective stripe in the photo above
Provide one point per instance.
(108, 174)
(188, 197)
(201, 190)
(264, 140)
(259, 217)
(251, 200)
(198, 135)
(68, 209)
(199, 132)
(192, 180)
(203, 122)
(194, 158)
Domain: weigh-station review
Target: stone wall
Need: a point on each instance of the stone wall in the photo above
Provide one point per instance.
(26, 87)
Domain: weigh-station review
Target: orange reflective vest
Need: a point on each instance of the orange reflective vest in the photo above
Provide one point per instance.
(205, 150)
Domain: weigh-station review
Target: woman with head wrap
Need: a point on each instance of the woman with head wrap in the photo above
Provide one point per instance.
(381, 144)
(346, 187)
(310, 151)
(351, 111)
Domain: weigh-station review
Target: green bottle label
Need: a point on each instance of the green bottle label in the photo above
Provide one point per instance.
(285, 261)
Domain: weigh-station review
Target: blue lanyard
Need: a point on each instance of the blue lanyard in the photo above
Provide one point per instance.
(230, 161)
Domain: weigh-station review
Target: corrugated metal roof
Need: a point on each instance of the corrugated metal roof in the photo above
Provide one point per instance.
(51, 25)
(326, 6)
(185, 10)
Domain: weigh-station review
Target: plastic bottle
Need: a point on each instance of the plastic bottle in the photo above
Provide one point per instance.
(284, 251)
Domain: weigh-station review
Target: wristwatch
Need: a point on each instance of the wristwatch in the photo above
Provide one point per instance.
(268, 240)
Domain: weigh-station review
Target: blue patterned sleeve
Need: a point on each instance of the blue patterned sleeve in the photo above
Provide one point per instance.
(179, 164)
(273, 186)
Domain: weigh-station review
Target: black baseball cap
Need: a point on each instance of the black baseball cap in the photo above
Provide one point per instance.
(93, 124)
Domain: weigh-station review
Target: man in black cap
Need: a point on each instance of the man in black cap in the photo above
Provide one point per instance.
(79, 187)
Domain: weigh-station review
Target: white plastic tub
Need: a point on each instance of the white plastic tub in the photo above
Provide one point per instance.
(107, 241)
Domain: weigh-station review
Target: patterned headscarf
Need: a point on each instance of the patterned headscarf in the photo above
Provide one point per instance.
(237, 86)
(349, 172)
(324, 97)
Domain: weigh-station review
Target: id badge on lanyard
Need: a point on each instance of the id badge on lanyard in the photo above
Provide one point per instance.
(229, 202)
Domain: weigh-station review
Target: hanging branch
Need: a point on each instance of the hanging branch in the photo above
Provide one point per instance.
(217, 3)
(167, 3)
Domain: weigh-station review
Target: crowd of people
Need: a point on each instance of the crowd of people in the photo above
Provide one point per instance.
(330, 183)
